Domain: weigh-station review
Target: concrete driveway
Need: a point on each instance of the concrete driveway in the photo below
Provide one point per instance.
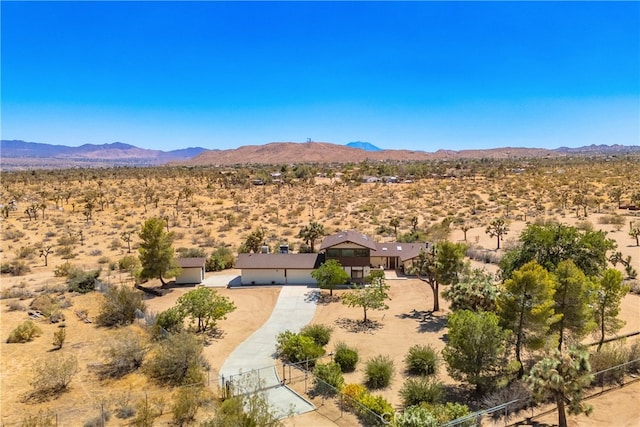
(295, 308)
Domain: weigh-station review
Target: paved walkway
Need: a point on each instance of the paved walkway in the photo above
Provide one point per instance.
(294, 309)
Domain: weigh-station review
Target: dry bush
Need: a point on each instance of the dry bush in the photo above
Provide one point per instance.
(20, 292)
(53, 373)
(125, 354)
(24, 332)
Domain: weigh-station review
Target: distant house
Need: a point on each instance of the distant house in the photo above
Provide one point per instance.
(192, 271)
(278, 269)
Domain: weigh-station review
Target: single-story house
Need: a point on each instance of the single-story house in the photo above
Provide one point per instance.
(396, 255)
(192, 271)
(356, 252)
(278, 269)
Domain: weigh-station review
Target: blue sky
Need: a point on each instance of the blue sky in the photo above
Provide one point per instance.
(415, 75)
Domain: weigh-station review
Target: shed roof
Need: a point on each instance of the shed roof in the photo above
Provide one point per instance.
(191, 262)
(404, 251)
(291, 261)
(348, 236)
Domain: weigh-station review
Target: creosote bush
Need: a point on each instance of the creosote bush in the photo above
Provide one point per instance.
(177, 361)
(24, 332)
(120, 305)
(346, 357)
(54, 373)
(379, 372)
(124, 354)
(422, 360)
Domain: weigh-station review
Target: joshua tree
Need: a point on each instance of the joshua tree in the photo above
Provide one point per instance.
(126, 236)
(45, 251)
(497, 228)
(395, 223)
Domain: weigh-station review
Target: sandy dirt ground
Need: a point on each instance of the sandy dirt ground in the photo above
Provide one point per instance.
(217, 216)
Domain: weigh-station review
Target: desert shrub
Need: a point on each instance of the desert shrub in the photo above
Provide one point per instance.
(41, 419)
(634, 286)
(25, 252)
(295, 348)
(126, 411)
(66, 270)
(633, 356)
(421, 360)
(82, 281)
(66, 252)
(95, 252)
(327, 378)
(99, 420)
(379, 372)
(16, 267)
(20, 292)
(124, 354)
(58, 337)
(24, 332)
(129, 263)
(610, 355)
(221, 259)
(320, 334)
(54, 373)
(449, 411)
(186, 402)
(191, 253)
(15, 306)
(104, 260)
(145, 414)
(46, 304)
(12, 234)
(120, 306)
(346, 357)
(351, 393)
(421, 389)
(177, 360)
(170, 320)
(379, 406)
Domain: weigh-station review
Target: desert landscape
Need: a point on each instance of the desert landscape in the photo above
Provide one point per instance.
(90, 219)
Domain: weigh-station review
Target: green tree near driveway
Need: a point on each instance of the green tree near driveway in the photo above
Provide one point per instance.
(476, 349)
(443, 264)
(562, 376)
(371, 296)
(526, 307)
(156, 251)
(310, 233)
(205, 306)
(329, 275)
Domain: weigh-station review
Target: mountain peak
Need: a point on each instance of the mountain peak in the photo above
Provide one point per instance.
(366, 146)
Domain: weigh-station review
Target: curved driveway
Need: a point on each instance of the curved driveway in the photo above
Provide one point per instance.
(295, 308)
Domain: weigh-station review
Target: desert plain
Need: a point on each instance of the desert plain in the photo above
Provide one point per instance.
(82, 215)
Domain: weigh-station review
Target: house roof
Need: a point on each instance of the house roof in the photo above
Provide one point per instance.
(291, 261)
(404, 251)
(348, 236)
(191, 262)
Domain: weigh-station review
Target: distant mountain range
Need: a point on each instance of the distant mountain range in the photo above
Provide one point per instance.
(27, 155)
(31, 154)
